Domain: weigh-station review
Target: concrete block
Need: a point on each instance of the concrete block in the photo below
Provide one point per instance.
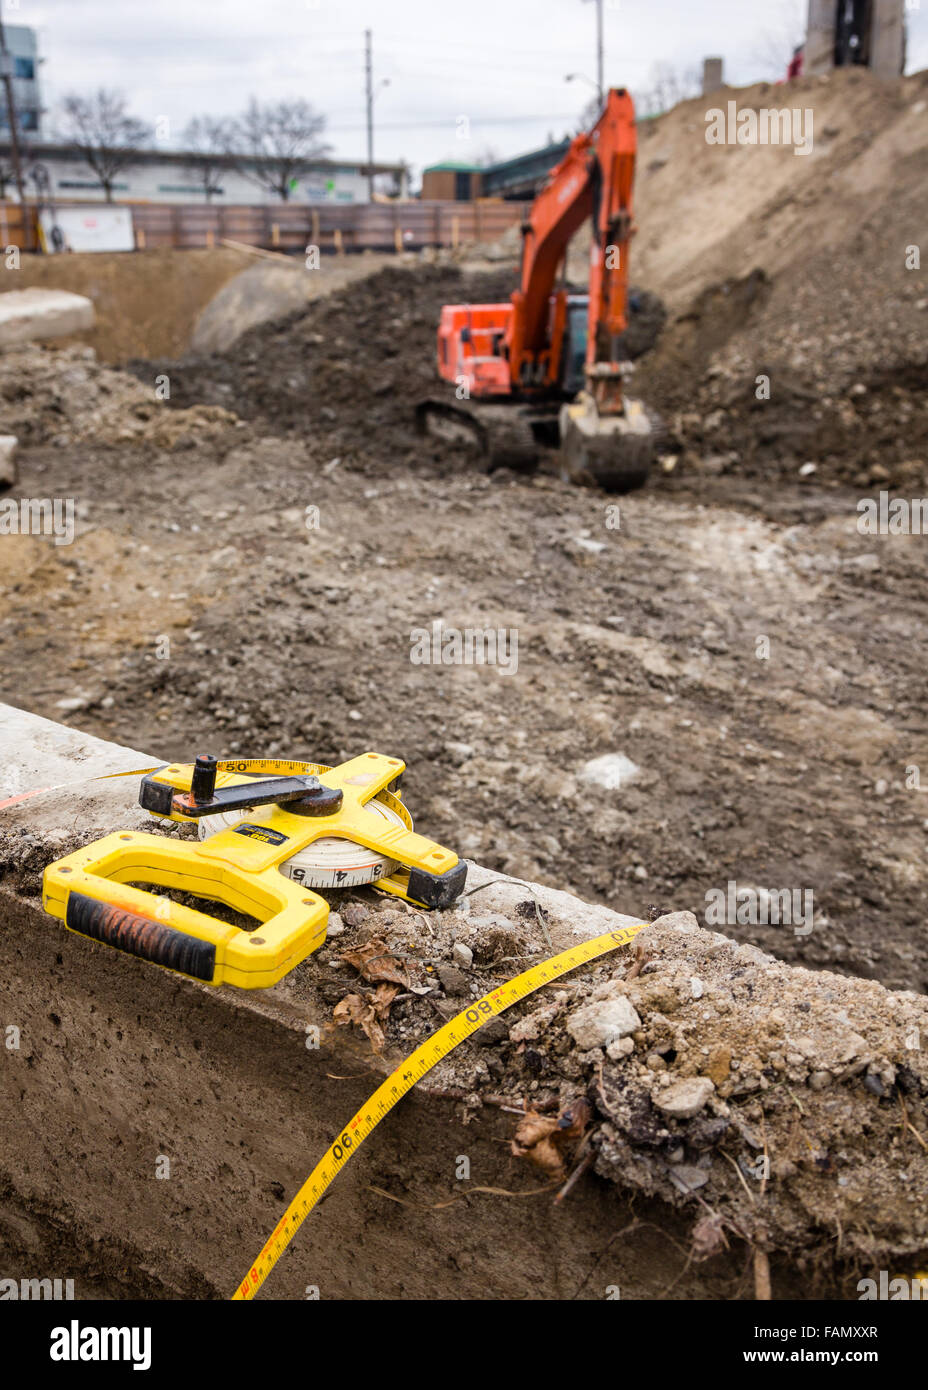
(34, 315)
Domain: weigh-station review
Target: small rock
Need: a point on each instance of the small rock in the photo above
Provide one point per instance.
(353, 914)
(622, 1047)
(686, 1177)
(589, 545)
(453, 981)
(599, 1024)
(684, 1099)
(493, 1032)
(807, 470)
(752, 955)
(678, 921)
(612, 770)
(73, 704)
(462, 954)
(459, 752)
(8, 470)
(819, 1080)
(719, 1067)
(335, 925)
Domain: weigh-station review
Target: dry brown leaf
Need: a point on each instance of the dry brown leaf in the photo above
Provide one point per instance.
(368, 1014)
(374, 962)
(545, 1140)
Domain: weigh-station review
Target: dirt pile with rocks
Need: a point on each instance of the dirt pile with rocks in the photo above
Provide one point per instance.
(63, 395)
(802, 269)
(347, 373)
(780, 1107)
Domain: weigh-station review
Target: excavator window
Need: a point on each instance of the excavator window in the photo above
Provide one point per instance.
(574, 356)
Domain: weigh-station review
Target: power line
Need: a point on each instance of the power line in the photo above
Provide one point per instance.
(447, 123)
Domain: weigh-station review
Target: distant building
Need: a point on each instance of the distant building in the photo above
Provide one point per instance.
(23, 57)
(856, 33)
(517, 179)
(452, 182)
(169, 176)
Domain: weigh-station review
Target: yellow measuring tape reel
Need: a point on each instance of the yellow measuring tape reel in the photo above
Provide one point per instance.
(283, 829)
(416, 1065)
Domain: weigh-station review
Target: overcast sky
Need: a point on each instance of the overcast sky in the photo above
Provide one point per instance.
(500, 63)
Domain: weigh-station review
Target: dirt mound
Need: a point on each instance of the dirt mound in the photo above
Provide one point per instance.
(798, 269)
(711, 212)
(778, 1107)
(269, 290)
(345, 372)
(62, 395)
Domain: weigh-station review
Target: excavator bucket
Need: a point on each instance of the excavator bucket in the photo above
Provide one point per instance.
(613, 452)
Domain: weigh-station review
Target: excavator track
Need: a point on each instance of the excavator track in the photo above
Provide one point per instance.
(507, 436)
(501, 436)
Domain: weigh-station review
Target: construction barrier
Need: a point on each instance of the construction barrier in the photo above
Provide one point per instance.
(18, 226)
(293, 226)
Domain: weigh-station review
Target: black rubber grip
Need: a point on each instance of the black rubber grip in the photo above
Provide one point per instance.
(140, 936)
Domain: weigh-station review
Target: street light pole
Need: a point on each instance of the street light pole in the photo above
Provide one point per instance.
(6, 70)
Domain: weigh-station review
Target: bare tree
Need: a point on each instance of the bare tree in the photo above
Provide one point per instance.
(210, 140)
(104, 133)
(275, 143)
(777, 39)
(669, 86)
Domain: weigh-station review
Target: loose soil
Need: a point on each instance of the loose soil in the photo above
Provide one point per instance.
(645, 638)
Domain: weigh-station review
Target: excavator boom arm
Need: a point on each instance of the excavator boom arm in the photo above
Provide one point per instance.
(595, 178)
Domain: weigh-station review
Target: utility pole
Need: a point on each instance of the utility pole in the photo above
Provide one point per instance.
(369, 75)
(599, 51)
(6, 71)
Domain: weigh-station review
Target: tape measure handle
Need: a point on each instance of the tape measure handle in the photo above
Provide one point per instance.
(140, 936)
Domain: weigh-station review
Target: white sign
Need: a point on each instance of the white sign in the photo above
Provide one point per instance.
(88, 229)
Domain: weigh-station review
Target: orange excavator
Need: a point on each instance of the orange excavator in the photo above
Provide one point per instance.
(550, 367)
